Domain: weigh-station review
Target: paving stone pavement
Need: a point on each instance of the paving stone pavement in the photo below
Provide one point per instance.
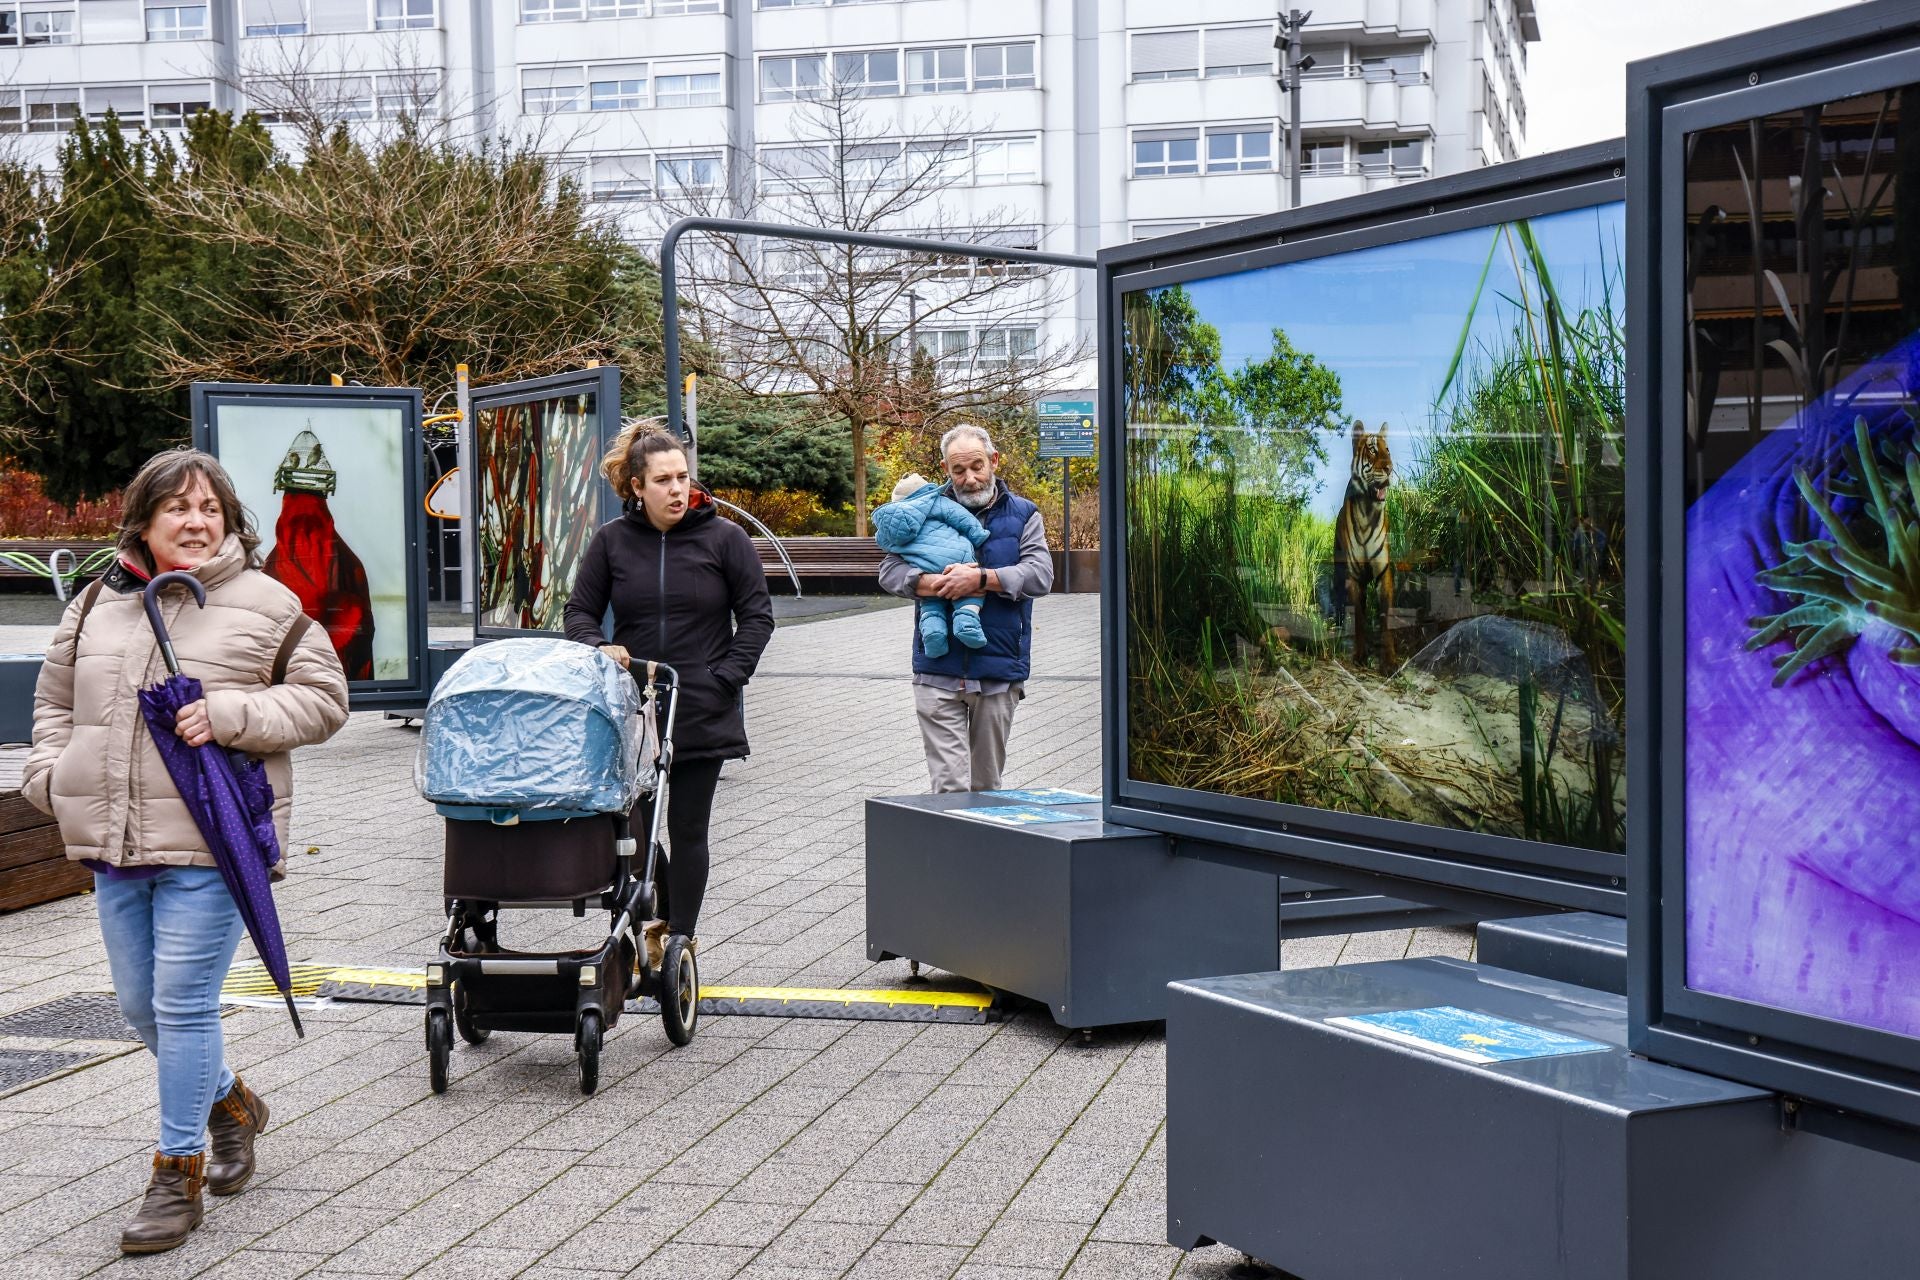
(767, 1148)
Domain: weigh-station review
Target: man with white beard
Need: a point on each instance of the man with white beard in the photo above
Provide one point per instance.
(966, 698)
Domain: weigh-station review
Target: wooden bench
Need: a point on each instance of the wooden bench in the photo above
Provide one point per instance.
(33, 861)
(31, 558)
(819, 557)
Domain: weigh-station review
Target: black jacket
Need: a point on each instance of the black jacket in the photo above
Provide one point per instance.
(694, 597)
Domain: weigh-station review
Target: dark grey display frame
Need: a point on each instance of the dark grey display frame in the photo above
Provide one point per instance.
(206, 398)
(604, 382)
(1839, 54)
(1407, 859)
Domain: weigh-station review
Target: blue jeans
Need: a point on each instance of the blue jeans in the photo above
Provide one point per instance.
(169, 941)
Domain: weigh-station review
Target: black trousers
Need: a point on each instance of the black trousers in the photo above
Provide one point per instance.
(683, 883)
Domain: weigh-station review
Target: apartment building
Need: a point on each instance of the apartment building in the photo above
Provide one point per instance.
(1091, 122)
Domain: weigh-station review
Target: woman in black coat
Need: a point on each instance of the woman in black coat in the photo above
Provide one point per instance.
(687, 589)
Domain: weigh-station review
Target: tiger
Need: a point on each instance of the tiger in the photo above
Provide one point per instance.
(1360, 539)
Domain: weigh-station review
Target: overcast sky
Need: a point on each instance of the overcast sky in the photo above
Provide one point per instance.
(1576, 75)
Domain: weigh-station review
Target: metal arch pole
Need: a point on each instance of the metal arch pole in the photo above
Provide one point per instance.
(669, 274)
(770, 536)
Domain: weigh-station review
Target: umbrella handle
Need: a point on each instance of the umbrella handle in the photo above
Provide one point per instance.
(150, 598)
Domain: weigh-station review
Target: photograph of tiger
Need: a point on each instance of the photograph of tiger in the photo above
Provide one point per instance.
(1375, 531)
(1360, 540)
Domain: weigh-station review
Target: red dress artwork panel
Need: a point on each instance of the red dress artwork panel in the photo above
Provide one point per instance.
(312, 560)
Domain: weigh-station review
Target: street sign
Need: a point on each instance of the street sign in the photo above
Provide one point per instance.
(1066, 429)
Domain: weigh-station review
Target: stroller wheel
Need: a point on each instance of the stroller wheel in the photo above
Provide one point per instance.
(587, 1038)
(439, 1048)
(463, 1018)
(679, 990)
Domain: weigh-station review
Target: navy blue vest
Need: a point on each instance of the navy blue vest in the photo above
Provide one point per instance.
(1008, 623)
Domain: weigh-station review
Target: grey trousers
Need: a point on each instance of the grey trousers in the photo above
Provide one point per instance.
(965, 736)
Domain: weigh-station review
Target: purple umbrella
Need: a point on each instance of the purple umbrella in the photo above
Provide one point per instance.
(228, 795)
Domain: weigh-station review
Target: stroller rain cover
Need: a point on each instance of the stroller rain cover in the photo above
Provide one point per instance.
(535, 726)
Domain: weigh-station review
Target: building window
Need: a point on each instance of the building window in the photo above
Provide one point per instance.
(620, 177)
(1239, 149)
(52, 109)
(1239, 51)
(128, 103)
(616, 8)
(46, 24)
(402, 15)
(872, 164)
(1166, 153)
(552, 90)
(788, 79)
(937, 70)
(696, 89)
(1027, 237)
(404, 94)
(273, 18)
(1166, 55)
(1008, 346)
(172, 105)
(873, 73)
(937, 164)
(689, 6)
(949, 349)
(1003, 66)
(1323, 156)
(1393, 157)
(1229, 51)
(793, 4)
(687, 173)
(551, 10)
(796, 168)
(998, 161)
(1148, 230)
(176, 22)
(617, 86)
(1395, 68)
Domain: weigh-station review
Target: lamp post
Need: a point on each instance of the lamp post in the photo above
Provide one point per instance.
(1292, 67)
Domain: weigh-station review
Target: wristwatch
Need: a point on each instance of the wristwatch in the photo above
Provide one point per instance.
(983, 582)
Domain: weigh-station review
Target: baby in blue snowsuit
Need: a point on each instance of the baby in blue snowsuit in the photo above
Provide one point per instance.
(930, 531)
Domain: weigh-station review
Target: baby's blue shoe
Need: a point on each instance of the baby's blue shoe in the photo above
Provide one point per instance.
(933, 633)
(967, 628)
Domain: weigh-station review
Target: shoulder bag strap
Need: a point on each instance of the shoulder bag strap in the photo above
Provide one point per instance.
(288, 644)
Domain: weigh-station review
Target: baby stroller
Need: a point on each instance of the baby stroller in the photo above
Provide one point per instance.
(535, 752)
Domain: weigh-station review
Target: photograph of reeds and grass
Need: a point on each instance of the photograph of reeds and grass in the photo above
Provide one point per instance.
(1375, 540)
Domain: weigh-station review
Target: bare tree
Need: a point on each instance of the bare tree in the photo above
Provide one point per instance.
(887, 341)
(392, 263)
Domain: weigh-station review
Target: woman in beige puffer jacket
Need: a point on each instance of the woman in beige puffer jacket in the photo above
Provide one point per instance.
(169, 923)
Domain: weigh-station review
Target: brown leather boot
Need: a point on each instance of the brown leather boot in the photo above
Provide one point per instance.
(233, 1124)
(172, 1208)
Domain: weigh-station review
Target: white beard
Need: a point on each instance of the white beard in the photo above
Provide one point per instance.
(978, 501)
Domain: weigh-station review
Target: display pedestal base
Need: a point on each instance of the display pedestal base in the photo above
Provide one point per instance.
(1333, 1153)
(1580, 948)
(1090, 919)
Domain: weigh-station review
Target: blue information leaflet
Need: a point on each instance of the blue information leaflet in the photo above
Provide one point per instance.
(1043, 795)
(1023, 815)
(1066, 429)
(1468, 1036)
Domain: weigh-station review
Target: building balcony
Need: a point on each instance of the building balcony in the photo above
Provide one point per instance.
(1351, 97)
(1333, 182)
